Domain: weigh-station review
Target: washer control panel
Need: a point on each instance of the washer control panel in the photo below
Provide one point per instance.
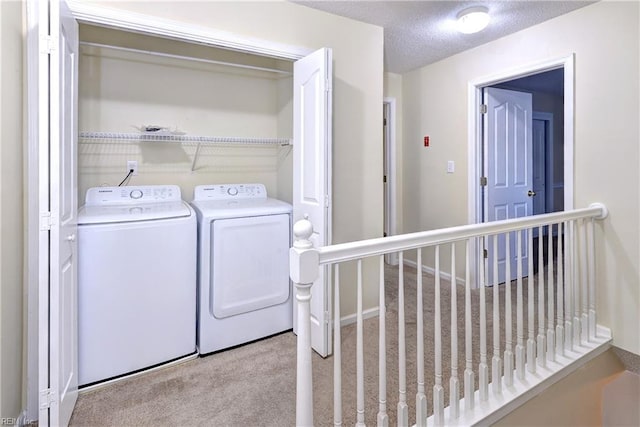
(230, 191)
(100, 196)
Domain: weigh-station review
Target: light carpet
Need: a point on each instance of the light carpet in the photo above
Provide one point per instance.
(254, 384)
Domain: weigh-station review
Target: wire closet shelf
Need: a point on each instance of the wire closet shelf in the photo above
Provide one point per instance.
(198, 141)
(144, 137)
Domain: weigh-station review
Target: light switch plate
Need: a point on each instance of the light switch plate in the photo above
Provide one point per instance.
(451, 166)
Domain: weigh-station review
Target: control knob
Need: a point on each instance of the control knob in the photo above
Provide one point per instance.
(135, 194)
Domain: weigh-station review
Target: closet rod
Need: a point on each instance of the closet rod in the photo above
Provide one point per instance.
(186, 58)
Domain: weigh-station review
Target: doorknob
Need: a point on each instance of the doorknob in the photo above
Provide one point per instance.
(531, 193)
(71, 237)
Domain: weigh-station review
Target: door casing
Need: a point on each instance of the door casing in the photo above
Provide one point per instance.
(474, 131)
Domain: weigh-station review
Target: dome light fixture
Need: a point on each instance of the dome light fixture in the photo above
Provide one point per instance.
(473, 19)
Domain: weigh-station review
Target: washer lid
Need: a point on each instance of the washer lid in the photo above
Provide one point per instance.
(132, 212)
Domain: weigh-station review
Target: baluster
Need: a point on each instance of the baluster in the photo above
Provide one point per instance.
(592, 279)
(454, 386)
(531, 343)
(560, 286)
(337, 353)
(568, 299)
(496, 365)
(438, 391)
(483, 368)
(508, 350)
(551, 334)
(359, 350)
(520, 352)
(403, 408)
(577, 324)
(383, 418)
(469, 377)
(303, 269)
(542, 356)
(584, 282)
(421, 397)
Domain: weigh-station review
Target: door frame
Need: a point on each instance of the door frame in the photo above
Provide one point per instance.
(390, 200)
(36, 179)
(475, 136)
(37, 170)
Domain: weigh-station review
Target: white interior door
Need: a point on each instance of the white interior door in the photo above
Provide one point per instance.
(508, 163)
(58, 284)
(312, 80)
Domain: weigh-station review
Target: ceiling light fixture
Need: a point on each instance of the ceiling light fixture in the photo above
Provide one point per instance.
(473, 20)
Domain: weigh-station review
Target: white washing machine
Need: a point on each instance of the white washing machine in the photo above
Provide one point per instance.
(244, 291)
(136, 280)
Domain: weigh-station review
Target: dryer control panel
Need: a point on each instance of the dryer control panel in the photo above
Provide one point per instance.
(101, 196)
(230, 191)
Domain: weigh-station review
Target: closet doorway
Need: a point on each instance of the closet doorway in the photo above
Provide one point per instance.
(52, 368)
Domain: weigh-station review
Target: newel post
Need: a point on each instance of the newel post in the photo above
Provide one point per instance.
(303, 269)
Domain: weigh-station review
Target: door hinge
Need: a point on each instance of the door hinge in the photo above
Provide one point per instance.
(46, 398)
(384, 122)
(485, 253)
(45, 221)
(384, 178)
(47, 45)
(483, 109)
(483, 181)
(326, 201)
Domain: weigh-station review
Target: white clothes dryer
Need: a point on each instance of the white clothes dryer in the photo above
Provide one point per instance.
(244, 291)
(136, 280)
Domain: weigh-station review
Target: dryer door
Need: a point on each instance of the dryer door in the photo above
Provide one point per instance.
(250, 264)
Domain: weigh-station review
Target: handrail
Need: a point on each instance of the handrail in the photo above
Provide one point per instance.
(382, 245)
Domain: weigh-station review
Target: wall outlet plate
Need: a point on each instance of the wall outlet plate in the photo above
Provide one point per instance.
(132, 165)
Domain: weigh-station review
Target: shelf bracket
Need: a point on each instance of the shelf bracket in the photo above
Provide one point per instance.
(195, 157)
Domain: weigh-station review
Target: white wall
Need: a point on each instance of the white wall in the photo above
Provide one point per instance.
(605, 39)
(11, 209)
(121, 91)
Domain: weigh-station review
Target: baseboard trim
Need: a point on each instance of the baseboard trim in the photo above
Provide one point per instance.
(366, 314)
(137, 374)
(432, 271)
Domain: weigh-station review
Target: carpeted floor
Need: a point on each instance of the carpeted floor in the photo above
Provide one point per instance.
(254, 384)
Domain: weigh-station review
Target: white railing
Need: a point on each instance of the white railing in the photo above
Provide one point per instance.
(525, 365)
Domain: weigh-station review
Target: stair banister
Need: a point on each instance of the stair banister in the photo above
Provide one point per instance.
(564, 330)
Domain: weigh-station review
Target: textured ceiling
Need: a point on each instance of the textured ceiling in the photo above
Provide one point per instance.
(418, 33)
